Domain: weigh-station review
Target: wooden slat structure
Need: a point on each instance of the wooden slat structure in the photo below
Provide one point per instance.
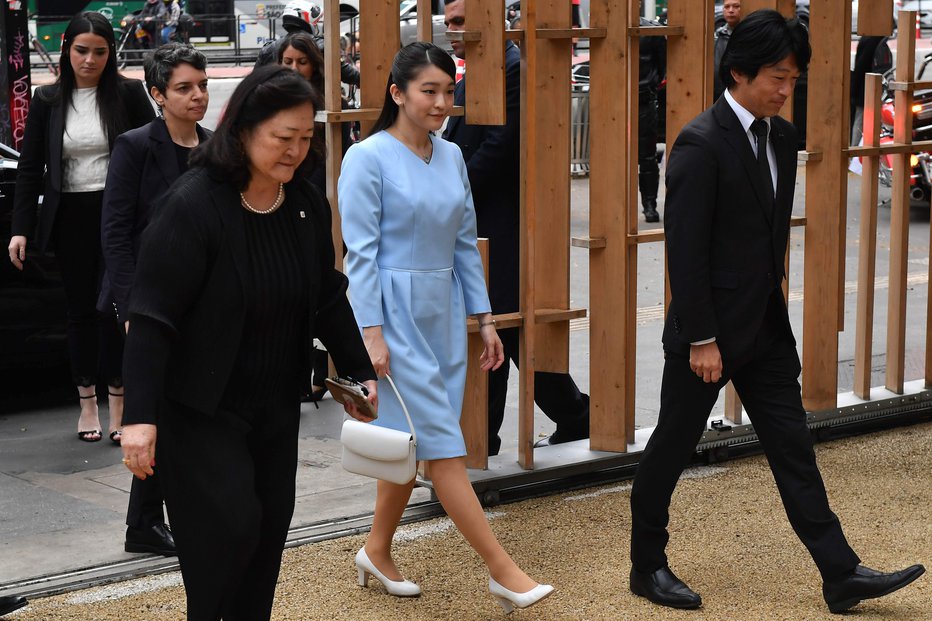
(614, 237)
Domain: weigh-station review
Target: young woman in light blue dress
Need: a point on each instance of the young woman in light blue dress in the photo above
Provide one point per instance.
(415, 274)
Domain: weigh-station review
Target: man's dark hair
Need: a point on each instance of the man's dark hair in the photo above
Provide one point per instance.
(160, 64)
(261, 95)
(762, 39)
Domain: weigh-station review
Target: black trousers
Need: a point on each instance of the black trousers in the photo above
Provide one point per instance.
(95, 345)
(145, 503)
(229, 488)
(555, 393)
(648, 167)
(769, 390)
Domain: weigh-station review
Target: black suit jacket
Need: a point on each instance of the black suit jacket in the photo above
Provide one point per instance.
(493, 162)
(40, 171)
(142, 168)
(190, 278)
(725, 248)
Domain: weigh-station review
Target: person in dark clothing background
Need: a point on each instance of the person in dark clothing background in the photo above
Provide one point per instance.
(731, 12)
(493, 155)
(652, 68)
(872, 56)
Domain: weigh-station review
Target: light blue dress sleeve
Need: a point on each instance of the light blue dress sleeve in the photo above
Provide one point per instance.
(467, 262)
(360, 203)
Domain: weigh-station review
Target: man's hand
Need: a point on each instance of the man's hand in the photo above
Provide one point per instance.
(138, 443)
(706, 361)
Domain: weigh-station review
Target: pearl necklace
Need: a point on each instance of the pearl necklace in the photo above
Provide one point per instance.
(278, 202)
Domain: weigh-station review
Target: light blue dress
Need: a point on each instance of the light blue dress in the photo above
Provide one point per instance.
(414, 269)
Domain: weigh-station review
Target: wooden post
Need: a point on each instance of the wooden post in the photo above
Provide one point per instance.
(425, 23)
(333, 103)
(609, 110)
(875, 18)
(485, 97)
(826, 198)
(864, 323)
(899, 205)
(474, 420)
(378, 22)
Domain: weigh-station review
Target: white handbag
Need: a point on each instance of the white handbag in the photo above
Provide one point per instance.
(380, 453)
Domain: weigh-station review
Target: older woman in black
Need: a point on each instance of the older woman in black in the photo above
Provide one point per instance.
(235, 276)
(146, 161)
(70, 132)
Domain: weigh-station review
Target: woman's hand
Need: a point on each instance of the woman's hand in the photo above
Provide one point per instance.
(378, 350)
(350, 407)
(138, 443)
(494, 354)
(17, 250)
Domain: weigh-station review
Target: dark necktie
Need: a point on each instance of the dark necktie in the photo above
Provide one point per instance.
(759, 127)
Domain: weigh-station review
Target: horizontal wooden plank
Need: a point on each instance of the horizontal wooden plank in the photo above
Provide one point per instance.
(798, 221)
(571, 33)
(808, 156)
(514, 35)
(909, 86)
(647, 237)
(890, 148)
(362, 114)
(655, 31)
(543, 315)
(587, 242)
(465, 35)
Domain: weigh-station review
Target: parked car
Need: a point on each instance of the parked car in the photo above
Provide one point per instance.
(32, 301)
(409, 26)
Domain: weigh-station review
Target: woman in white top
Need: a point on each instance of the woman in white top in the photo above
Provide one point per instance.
(69, 135)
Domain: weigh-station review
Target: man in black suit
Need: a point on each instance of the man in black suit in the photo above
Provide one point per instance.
(730, 182)
(493, 157)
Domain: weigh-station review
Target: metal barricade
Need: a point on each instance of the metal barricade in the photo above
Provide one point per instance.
(579, 138)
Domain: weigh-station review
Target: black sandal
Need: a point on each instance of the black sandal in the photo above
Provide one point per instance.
(94, 435)
(116, 436)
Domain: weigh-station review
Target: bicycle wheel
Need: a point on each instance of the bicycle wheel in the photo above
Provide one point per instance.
(44, 54)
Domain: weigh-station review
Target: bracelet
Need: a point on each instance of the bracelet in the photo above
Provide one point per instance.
(490, 322)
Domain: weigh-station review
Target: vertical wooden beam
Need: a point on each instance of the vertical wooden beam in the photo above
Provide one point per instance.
(378, 23)
(425, 23)
(528, 251)
(826, 198)
(474, 420)
(633, 219)
(485, 97)
(689, 64)
(333, 103)
(864, 322)
(899, 205)
(875, 18)
(551, 272)
(609, 110)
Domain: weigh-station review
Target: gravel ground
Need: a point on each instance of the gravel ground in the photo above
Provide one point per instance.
(730, 541)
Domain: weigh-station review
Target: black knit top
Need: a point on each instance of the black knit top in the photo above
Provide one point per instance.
(276, 295)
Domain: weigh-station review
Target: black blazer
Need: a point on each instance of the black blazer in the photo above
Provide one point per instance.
(493, 163)
(142, 168)
(725, 249)
(190, 278)
(40, 170)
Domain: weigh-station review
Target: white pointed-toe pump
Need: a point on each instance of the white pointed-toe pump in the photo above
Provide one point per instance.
(509, 600)
(398, 588)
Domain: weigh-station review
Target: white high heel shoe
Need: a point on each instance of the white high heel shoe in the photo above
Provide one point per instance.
(398, 588)
(509, 600)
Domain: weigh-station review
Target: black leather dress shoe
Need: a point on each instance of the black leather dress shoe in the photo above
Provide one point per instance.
(9, 603)
(866, 583)
(664, 588)
(155, 539)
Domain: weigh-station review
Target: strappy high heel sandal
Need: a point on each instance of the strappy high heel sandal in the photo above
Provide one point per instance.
(94, 435)
(116, 436)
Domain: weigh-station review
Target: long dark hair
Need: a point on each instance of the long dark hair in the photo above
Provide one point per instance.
(261, 95)
(113, 115)
(762, 39)
(408, 63)
(305, 44)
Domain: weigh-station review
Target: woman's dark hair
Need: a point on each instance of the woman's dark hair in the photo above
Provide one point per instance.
(762, 39)
(261, 95)
(408, 63)
(305, 44)
(113, 115)
(160, 64)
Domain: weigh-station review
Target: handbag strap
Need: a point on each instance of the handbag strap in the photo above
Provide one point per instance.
(404, 408)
